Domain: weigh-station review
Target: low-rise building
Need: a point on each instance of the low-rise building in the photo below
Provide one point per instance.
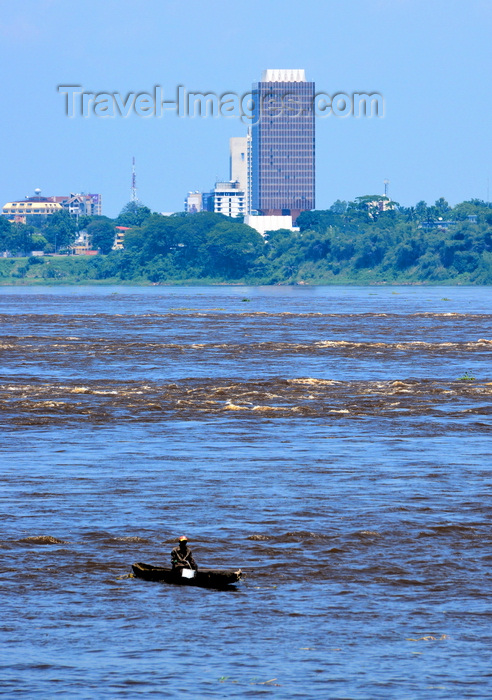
(119, 239)
(82, 245)
(30, 208)
(262, 224)
(193, 202)
(81, 204)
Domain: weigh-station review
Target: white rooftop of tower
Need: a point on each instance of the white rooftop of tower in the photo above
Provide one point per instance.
(284, 75)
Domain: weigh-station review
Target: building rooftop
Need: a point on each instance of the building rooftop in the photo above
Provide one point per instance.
(28, 206)
(283, 75)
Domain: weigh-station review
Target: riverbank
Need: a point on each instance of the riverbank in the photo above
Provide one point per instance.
(87, 270)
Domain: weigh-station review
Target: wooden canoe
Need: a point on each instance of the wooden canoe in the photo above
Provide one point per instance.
(206, 578)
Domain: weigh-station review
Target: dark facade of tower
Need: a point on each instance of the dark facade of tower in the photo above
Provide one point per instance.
(283, 144)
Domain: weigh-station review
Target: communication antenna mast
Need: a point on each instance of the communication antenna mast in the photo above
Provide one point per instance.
(134, 197)
(386, 187)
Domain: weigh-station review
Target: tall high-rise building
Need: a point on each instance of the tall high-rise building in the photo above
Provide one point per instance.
(240, 160)
(283, 144)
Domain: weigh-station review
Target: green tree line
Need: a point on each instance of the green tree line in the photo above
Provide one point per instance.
(369, 240)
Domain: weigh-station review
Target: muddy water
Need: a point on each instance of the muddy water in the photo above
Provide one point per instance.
(327, 441)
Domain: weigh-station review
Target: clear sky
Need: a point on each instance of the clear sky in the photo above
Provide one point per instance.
(431, 61)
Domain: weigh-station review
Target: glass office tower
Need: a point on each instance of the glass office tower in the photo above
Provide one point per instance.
(283, 144)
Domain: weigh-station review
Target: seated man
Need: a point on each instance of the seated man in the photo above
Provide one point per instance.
(181, 556)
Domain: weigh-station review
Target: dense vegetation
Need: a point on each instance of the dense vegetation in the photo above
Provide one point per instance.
(352, 242)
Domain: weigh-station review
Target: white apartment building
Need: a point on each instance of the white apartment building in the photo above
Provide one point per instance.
(229, 199)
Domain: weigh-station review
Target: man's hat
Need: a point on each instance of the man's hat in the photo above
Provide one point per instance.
(183, 539)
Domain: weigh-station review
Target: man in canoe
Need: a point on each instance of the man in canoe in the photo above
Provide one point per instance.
(181, 556)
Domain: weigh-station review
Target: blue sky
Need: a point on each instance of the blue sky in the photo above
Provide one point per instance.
(430, 60)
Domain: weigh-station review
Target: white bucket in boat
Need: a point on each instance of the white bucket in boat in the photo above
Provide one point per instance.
(187, 573)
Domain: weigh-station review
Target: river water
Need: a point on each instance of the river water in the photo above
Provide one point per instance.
(328, 441)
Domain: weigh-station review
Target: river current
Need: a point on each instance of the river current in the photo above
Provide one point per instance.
(334, 443)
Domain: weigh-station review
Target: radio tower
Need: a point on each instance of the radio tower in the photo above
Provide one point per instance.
(134, 197)
(386, 186)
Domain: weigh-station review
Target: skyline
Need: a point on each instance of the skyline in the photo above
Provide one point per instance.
(428, 62)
